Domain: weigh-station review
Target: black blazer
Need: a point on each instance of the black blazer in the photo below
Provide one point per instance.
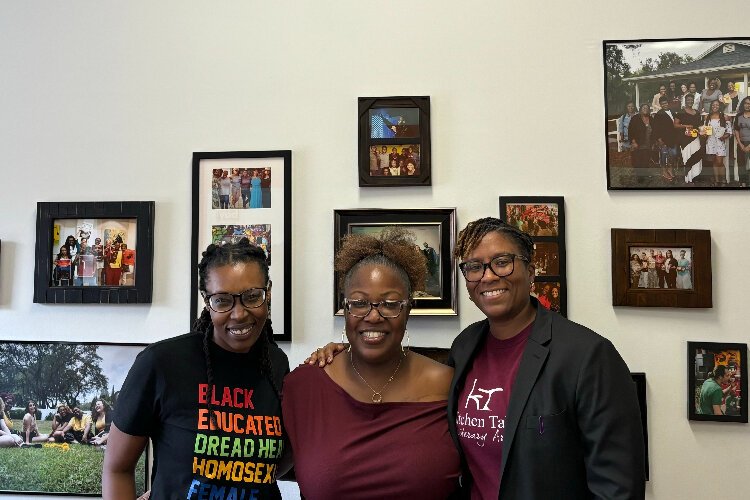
(575, 380)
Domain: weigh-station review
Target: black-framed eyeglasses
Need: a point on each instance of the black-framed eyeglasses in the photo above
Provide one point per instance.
(360, 308)
(502, 265)
(224, 302)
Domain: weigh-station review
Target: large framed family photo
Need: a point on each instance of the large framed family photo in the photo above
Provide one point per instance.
(246, 194)
(94, 252)
(677, 113)
(434, 232)
(717, 381)
(661, 267)
(73, 388)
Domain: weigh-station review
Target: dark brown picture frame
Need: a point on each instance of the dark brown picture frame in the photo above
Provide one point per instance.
(418, 104)
(702, 358)
(623, 294)
(140, 292)
(444, 219)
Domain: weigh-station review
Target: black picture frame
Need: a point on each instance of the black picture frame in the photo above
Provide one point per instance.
(702, 359)
(61, 469)
(441, 222)
(409, 135)
(273, 220)
(725, 58)
(695, 241)
(142, 289)
(543, 218)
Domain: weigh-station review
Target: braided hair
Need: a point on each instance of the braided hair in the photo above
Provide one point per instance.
(470, 236)
(222, 255)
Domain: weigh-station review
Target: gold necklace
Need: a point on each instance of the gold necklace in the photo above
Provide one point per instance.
(377, 396)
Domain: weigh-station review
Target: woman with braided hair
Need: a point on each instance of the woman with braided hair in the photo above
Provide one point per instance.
(209, 400)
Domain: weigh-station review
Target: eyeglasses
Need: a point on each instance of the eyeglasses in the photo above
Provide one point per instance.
(386, 308)
(503, 265)
(224, 302)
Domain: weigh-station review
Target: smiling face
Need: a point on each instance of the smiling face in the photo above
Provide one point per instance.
(374, 338)
(715, 107)
(502, 300)
(238, 329)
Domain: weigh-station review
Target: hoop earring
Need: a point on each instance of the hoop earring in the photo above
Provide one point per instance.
(408, 343)
(344, 339)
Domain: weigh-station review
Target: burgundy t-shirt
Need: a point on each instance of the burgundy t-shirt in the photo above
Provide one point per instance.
(482, 406)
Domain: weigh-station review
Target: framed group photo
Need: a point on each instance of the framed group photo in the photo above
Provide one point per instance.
(661, 267)
(717, 381)
(94, 252)
(394, 141)
(246, 194)
(543, 218)
(434, 233)
(676, 115)
(73, 387)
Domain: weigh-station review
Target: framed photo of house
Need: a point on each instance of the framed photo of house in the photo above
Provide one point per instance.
(246, 194)
(717, 381)
(661, 267)
(672, 108)
(543, 218)
(434, 232)
(94, 252)
(74, 386)
(394, 141)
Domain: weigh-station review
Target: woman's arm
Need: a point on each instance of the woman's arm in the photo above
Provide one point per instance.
(27, 419)
(118, 471)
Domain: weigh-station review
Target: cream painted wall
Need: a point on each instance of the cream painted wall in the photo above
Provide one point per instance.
(106, 100)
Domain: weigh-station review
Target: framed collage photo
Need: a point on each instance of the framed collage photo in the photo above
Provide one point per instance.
(672, 109)
(661, 268)
(94, 252)
(394, 141)
(74, 382)
(717, 381)
(543, 218)
(246, 194)
(434, 232)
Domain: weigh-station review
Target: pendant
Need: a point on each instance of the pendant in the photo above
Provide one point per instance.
(377, 397)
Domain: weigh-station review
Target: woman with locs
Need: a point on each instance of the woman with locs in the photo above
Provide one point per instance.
(382, 431)
(205, 394)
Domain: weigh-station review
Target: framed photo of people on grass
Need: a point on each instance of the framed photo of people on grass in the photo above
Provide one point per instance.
(94, 252)
(677, 113)
(246, 194)
(543, 218)
(717, 381)
(64, 394)
(661, 267)
(434, 233)
(394, 141)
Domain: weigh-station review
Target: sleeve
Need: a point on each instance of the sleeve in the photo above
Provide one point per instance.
(610, 425)
(137, 404)
(716, 397)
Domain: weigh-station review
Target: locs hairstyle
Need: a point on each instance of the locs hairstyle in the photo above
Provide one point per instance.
(470, 236)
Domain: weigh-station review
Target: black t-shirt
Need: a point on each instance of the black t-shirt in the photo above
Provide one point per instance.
(165, 397)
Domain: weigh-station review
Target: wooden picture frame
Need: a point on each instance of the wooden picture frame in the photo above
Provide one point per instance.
(434, 230)
(717, 381)
(258, 210)
(543, 218)
(684, 282)
(634, 71)
(401, 125)
(53, 373)
(112, 274)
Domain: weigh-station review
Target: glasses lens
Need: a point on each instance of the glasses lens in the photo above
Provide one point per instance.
(253, 297)
(221, 302)
(473, 271)
(389, 308)
(502, 265)
(359, 308)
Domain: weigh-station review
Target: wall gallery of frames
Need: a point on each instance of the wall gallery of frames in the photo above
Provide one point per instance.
(630, 237)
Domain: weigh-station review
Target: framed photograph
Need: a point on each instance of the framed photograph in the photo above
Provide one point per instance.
(543, 218)
(394, 141)
(60, 378)
(434, 231)
(661, 268)
(246, 194)
(717, 381)
(672, 107)
(94, 252)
